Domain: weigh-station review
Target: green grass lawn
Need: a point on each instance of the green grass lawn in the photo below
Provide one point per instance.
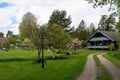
(17, 65)
(114, 57)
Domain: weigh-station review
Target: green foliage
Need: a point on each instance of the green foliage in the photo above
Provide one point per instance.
(92, 28)
(114, 57)
(6, 44)
(106, 22)
(83, 44)
(82, 32)
(9, 34)
(29, 29)
(56, 36)
(101, 3)
(1, 34)
(118, 41)
(118, 26)
(81, 26)
(59, 18)
(27, 25)
(111, 47)
(12, 40)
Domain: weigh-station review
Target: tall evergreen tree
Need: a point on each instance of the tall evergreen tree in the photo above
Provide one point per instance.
(81, 26)
(92, 28)
(107, 23)
(60, 18)
(81, 31)
(102, 22)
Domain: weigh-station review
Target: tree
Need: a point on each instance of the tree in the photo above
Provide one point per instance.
(1, 34)
(111, 21)
(29, 29)
(59, 18)
(81, 26)
(26, 27)
(107, 23)
(102, 23)
(92, 28)
(38, 34)
(6, 44)
(118, 27)
(81, 31)
(9, 34)
(11, 38)
(101, 3)
(56, 36)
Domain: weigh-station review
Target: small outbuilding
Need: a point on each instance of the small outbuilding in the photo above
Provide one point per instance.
(75, 44)
(102, 40)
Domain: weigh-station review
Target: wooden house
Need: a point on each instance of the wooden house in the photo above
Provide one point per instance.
(102, 40)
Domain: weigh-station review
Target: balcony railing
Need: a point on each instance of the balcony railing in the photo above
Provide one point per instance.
(97, 47)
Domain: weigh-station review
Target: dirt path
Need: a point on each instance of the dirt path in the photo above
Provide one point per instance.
(114, 71)
(90, 70)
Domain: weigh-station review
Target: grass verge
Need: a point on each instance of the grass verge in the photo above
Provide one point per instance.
(114, 57)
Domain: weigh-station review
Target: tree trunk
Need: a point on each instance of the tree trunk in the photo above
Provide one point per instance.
(53, 52)
(38, 55)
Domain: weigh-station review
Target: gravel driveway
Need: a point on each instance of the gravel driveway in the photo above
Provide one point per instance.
(90, 70)
(113, 70)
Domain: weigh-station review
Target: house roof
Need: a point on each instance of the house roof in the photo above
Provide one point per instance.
(109, 34)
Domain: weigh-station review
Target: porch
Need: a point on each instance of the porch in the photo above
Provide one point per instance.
(99, 43)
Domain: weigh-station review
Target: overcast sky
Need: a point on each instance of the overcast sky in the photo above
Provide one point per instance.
(11, 12)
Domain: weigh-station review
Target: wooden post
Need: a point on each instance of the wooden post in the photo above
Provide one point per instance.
(94, 44)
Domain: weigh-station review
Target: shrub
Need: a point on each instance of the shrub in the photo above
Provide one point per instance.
(111, 47)
(6, 44)
(83, 44)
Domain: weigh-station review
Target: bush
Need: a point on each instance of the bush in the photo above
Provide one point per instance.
(111, 47)
(83, 44)
(58, 51)
(6, 44)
